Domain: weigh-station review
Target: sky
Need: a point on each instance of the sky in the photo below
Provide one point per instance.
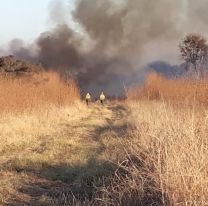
(24, 19)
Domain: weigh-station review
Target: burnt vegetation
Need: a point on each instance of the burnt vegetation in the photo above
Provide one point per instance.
(11, 65)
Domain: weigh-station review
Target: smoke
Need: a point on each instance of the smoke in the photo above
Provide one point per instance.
(126, 29)
(113, 40)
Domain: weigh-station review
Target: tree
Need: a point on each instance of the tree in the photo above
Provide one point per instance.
(194, 50)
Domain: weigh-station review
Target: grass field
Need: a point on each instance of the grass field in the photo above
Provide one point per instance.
(143, 151)
(184, 91)
(33, 92)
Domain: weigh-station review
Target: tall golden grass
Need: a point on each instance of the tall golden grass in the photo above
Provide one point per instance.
(35, 92)
(161, 161)
(168, 149)
(185, 91)
(166, 156)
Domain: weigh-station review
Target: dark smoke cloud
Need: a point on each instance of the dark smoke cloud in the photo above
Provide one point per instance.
(126, 29)
(59, 49)
(114, 40)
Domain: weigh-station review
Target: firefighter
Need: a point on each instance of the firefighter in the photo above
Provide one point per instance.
(102, 98)
(87, 98)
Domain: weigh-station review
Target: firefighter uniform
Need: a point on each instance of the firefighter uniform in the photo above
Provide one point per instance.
(87, 98)
(102, 98)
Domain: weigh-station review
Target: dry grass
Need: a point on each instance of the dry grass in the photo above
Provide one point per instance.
(165, 163)
(178, 91)
(161, 161)
(167, 153)
(35, 92)
(134, 153)
(35, 148)
(48, 155)
(172, 145)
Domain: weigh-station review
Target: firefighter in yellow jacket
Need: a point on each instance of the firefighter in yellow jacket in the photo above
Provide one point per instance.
(87, 98)
(102, 98)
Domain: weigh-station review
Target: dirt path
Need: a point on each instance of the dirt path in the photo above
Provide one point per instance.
(74, 166)
(108, 119)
